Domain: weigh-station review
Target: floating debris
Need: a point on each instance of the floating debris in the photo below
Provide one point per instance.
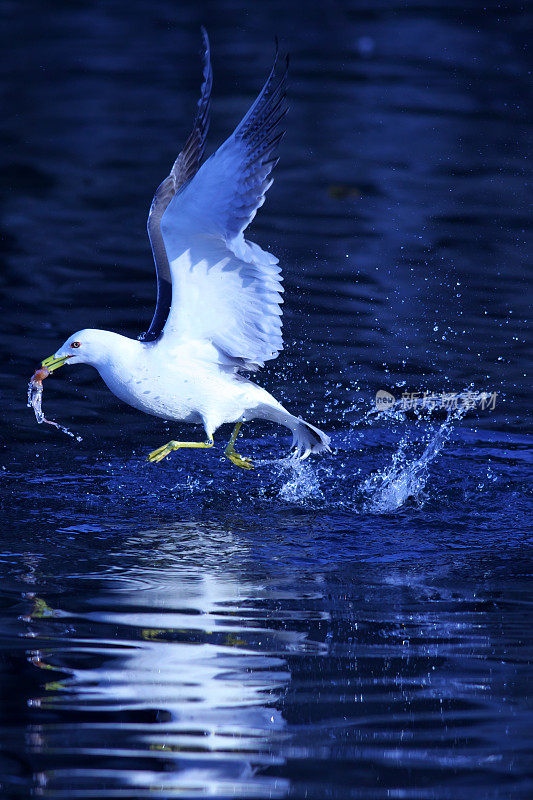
(344, 191)
(35, 398)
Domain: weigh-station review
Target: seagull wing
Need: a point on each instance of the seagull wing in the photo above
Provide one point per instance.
(226, 290)
(184, 168)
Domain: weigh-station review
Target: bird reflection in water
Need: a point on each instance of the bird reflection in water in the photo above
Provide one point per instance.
(170, 662)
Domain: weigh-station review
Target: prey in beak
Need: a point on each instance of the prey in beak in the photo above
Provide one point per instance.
(52, 363)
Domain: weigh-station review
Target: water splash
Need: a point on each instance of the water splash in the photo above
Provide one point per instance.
(405, 477)
(302, 483)
(35, 399)
(381, 463)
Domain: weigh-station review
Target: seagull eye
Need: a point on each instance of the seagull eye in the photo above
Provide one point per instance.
(76, 344)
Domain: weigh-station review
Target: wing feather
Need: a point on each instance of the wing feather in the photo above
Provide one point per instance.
(226, 289)
(183, 170)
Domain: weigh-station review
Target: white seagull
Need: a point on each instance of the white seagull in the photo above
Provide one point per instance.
(218, 294)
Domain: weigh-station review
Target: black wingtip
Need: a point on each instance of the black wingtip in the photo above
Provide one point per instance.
(205, 39)
(204, 101)
(276, 53)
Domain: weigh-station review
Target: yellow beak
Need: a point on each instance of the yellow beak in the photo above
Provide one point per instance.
(53, 363)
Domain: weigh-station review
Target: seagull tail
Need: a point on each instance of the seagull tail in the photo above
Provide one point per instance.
(306, 439)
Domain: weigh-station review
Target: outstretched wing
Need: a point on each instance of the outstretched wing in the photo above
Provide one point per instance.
(184, 168)
(227, 290)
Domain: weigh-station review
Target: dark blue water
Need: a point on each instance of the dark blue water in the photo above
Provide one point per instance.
(356, 627)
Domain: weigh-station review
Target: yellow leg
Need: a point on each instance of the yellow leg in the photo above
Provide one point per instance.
(233, 456)
(166, 449)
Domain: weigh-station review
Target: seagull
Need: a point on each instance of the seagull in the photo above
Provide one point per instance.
(218, 295)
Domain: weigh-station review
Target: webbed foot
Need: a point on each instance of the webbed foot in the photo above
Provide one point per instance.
(162, 452)
(238, 460)
(234, 457)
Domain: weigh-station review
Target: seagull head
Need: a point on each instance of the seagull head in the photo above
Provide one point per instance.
(84, 347)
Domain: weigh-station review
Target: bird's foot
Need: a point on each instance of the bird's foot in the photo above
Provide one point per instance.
(162, 452)
(238, 460)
